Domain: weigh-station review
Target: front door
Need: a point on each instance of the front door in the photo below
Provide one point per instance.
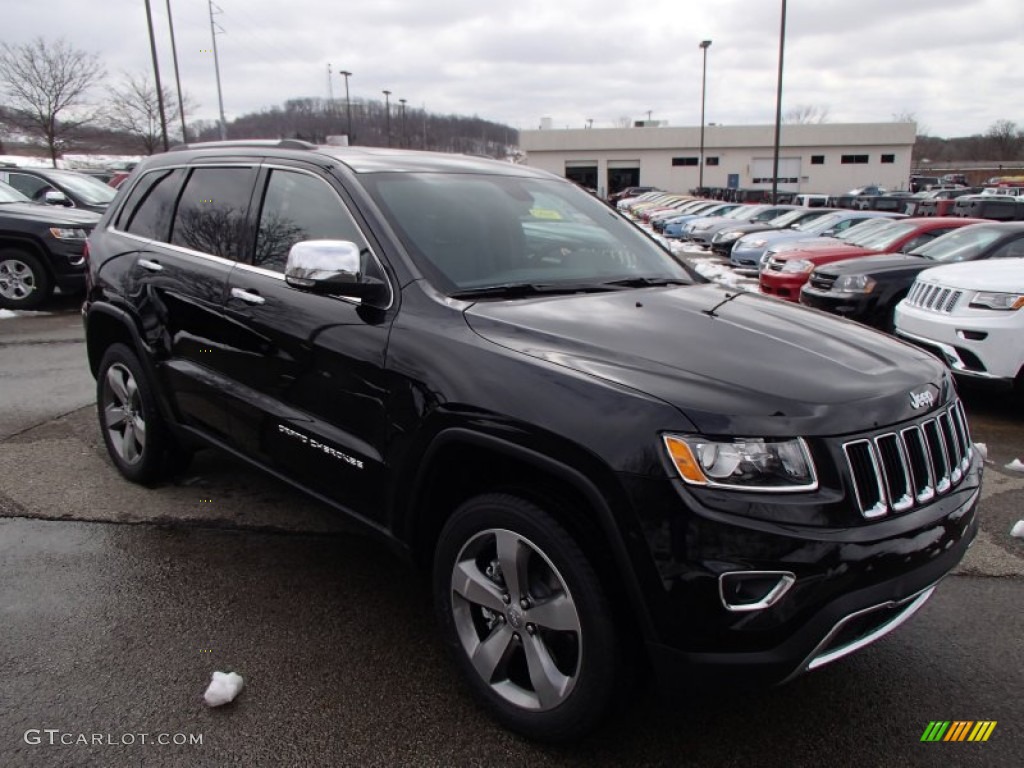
(313, 396)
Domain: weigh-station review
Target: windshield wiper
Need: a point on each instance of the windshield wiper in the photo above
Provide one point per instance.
(516, 290)
(647, 282)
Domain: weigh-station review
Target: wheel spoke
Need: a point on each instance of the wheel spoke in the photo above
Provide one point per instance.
(117, 385)
(132, 390)
(513, 556)
(491, 651)
(115, 416)
(128, 450)
(549, 684)
(475, 587)
(558, 613)
(140, 431)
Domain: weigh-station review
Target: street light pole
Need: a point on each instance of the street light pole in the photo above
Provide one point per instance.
(348, 105)
(156, 75)
(778, 107)
(387, 113)
(704, 44)
(402, 102)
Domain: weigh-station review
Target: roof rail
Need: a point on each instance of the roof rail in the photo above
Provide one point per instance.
(274, 143)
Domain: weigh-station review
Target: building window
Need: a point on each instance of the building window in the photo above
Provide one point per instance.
(888, 158)
(710, 161)
(781, 180)
(685, 161)
(817, 159)
(854, 160)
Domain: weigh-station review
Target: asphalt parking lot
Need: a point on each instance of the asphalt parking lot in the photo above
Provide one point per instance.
(118, 602)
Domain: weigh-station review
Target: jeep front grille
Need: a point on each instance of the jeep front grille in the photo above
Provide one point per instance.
(896, 471)
(933, 297)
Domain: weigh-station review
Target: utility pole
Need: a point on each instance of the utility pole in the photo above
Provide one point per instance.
(216, 68)
(177, 76)
(387, 113)
(704, 45)
(348, 106)
(402, 102)
(778, 108)
(330, 90)
(156, 75)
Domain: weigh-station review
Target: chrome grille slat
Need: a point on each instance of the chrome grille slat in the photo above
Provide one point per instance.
(896, 471)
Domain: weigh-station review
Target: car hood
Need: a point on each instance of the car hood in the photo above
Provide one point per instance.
(824, 255)
(886, 262)
(1006, 275)
(733, 363)
(51, 214)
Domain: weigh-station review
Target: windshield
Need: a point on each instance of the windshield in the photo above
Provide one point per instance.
(91, 191)
(480, 231)
(9, 194)
(744, 212)
(886, 237)
(788, 218)
(962, 244)
(863, 229)
(819, 224)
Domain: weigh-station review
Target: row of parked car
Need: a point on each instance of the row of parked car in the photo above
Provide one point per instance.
(46, 214)
(883, 269)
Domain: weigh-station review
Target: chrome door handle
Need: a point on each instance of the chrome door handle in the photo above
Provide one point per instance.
(246, 296)
(152, 266)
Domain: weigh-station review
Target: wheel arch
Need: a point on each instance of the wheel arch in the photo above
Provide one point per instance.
(480, 463)
(31, 244)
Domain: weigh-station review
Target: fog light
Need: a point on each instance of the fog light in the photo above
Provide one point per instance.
(753, 590)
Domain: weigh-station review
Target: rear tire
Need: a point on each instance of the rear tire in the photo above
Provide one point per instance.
(24, 281)
(132, 427)
(524, 616)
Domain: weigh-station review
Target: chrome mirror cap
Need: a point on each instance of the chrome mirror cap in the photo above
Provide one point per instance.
(316, 262)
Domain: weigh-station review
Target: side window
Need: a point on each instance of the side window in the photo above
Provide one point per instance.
(147, 211)
(1011, 250)
(31, 186)
(296, 207)
(211, 214)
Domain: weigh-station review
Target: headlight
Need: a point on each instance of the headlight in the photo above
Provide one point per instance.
(797, 266)
(756, 243)
(746, 464)
(703, 228)
(724, 236)
(854, 284)
(994, 300)
(62, 233)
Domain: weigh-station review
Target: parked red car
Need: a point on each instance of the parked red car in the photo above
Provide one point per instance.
(787, 271)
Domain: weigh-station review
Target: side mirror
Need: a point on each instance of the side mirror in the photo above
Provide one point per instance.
(331, 267)
(54, 197)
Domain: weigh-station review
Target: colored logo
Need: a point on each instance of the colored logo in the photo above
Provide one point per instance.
(958, 730)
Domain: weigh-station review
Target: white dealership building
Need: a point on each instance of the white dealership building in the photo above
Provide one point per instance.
(830, 158)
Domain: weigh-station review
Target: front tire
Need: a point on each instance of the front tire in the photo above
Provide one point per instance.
(524, 616)
(130, 421)
(24, 281)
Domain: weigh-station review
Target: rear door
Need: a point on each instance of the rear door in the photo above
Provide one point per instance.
(189, 226)
(313, 395)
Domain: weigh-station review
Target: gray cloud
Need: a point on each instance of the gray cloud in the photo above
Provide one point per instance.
(951, 62)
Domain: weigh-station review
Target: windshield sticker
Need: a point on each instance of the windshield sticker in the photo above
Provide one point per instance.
(545, 213)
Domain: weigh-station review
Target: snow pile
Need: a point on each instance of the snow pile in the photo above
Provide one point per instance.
(1018, 530)
(1016, 466)
(982, 449)
(224, 687)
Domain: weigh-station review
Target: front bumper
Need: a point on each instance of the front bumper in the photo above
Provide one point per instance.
(852, 585)
(856, 306)
(997, 357)
(784, 285)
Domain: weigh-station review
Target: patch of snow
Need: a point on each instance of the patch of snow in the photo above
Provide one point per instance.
(1018, 530)
(1016, 466)
(224, 687)
(6, 314)
(982, 449)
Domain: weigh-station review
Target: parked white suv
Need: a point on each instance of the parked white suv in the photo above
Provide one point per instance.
(972, 315)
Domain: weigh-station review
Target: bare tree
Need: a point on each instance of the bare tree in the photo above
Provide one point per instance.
(1004, 140)
(46, 85)
(911, 117)
(134, 109)
(805, 114)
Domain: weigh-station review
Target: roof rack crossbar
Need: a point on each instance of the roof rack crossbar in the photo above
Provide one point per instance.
(274, 143)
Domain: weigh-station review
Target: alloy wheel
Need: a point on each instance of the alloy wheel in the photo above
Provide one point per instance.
(516, 619)
(123, 415)
(17, 280)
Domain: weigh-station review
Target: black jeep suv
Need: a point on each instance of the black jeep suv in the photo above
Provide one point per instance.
(40, 247)
(598, 456)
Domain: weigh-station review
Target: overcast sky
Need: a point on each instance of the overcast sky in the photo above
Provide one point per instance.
(954, 64)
